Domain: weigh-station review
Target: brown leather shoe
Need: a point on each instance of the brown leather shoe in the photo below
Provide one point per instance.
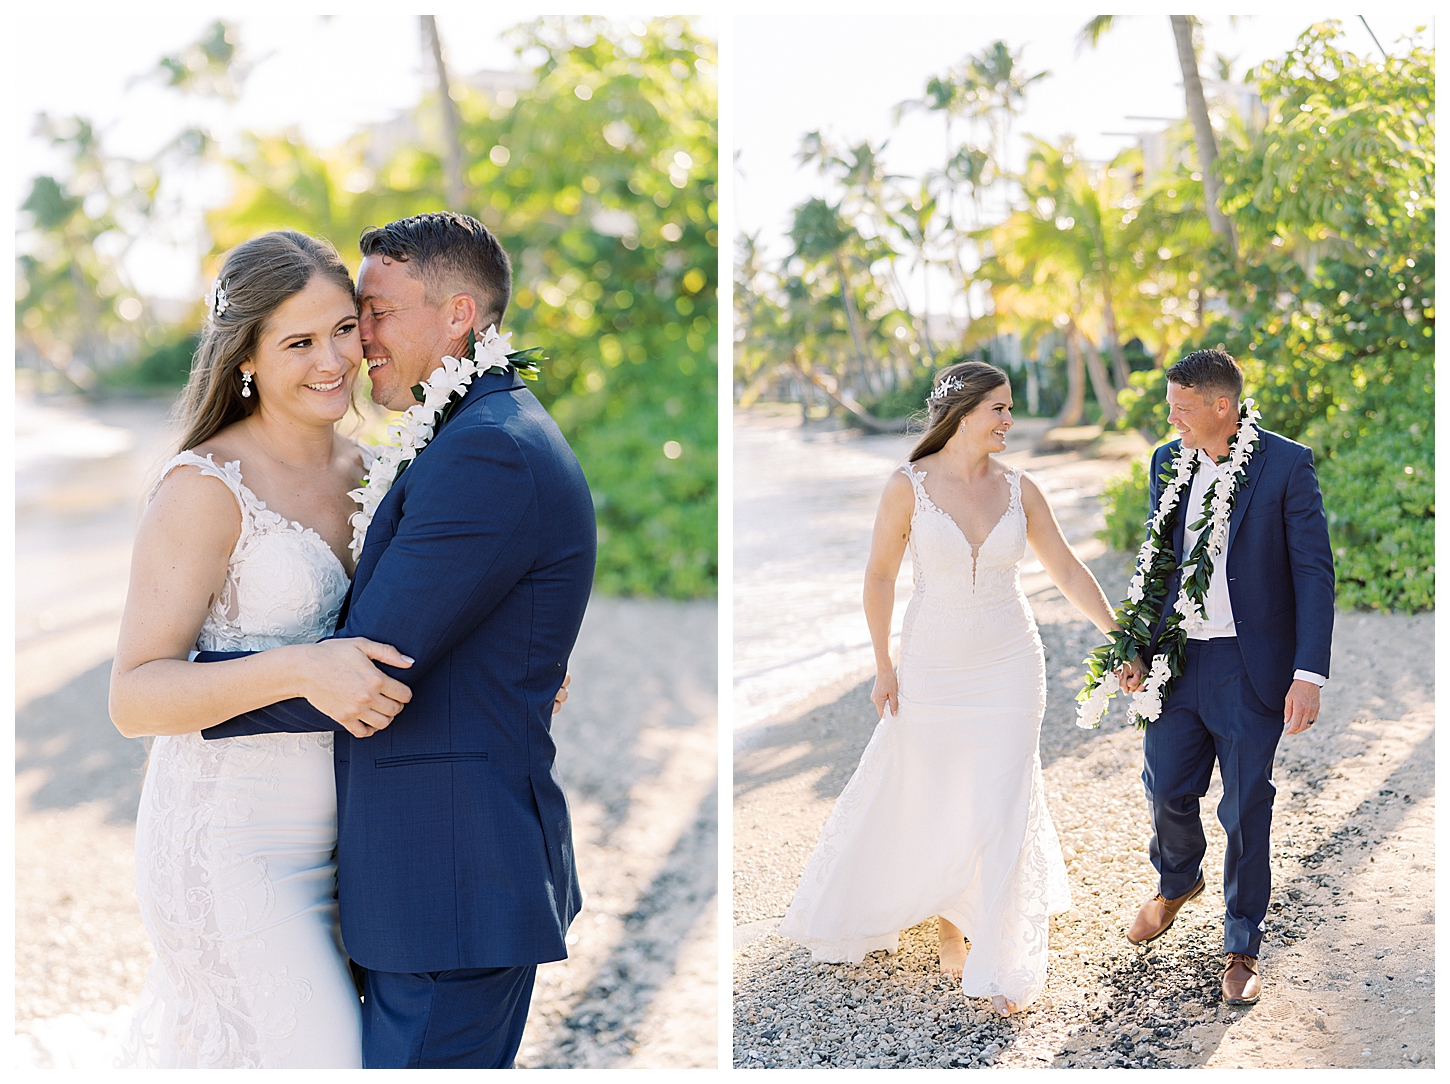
(1241, 983)
(1155, 916)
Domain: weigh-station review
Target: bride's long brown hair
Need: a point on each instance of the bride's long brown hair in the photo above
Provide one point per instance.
(257, 276)
(976, 380)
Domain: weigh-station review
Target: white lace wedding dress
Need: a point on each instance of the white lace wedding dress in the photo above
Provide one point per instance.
(235, 841)
(945, 813)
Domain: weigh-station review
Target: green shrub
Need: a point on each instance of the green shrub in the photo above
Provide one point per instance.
(165, 366)
(1125, 506)
(656, 515)
(1380, 501)
(1144, 402)
(908, 398)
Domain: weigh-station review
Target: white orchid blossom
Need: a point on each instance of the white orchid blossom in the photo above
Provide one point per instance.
(494, 347)
(1091, 711)
(1148, 701)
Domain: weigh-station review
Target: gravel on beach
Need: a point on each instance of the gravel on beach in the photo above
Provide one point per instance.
(1347, 960)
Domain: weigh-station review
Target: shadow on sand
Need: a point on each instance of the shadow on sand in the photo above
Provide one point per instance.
(68, 738)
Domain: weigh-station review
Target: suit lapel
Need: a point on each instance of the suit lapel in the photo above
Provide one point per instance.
(1252, 472)
(1180, 517)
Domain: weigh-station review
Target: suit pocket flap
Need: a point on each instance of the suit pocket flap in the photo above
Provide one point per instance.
(426, 758)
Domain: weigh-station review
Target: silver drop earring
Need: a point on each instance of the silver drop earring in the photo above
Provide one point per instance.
(246, 385)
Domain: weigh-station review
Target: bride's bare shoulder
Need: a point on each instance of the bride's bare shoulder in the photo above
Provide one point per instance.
(898, 491)
(1032, 495)
(192, 502)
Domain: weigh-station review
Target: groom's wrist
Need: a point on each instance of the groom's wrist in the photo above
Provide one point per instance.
(1311, 676)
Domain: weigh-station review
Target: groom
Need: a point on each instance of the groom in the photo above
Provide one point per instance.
(454, 857)
(1253, 673)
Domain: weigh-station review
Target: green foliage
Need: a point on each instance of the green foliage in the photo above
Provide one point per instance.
(1144, 402)
(1125, 506)
(1331, 308)
(1382, 521)
(908, 398)
(164, 366)
(1334, 316)
(74, 229)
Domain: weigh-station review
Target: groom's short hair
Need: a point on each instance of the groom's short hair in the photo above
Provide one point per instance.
(448, 253)
(1211, 372)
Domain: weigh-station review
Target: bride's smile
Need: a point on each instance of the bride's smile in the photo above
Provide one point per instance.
(307, 357)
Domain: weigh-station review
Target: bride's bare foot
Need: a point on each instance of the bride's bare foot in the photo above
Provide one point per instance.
(953, 948)
(1003, 1006)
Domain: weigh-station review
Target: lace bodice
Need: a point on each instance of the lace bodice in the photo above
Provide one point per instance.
(948, 568)
(284, 584)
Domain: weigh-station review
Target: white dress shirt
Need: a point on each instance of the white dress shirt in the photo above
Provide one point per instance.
(1218, 607)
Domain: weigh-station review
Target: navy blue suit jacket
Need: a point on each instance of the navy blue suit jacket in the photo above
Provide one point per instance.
(454, 844)
(1280, 566)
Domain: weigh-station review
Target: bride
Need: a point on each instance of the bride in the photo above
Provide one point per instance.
(945, 815)
(244, 546)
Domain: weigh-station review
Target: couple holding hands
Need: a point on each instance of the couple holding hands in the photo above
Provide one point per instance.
(1223, 644)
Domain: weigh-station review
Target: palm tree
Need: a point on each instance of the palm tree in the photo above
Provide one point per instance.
(990, 87)
(820, 234)
(451, 122)
(1066, 259)
(1197, 111)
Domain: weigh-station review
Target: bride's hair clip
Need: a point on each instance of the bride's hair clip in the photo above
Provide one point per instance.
(946, 387)
(217, 301)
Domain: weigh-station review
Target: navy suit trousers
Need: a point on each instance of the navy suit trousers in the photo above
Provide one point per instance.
(1213, 713)
(466, 1019)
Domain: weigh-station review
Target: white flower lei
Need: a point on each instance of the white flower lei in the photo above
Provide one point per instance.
(1190, 609)
(412, 432)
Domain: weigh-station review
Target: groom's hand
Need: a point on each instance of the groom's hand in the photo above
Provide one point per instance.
(341, 681)
(1131, 674)
(563, 693)
(1301, 706)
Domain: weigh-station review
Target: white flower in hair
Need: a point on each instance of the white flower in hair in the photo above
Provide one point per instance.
(946, 387)
(217, 300)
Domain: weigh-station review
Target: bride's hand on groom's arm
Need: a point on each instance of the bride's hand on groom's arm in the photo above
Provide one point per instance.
(341, 681)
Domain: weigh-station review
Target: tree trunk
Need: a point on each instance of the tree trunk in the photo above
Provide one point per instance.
(828, 384)
(1102, 387)
(453, 163)
(1115, 338)
(1218, 222)
(1071, 412)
